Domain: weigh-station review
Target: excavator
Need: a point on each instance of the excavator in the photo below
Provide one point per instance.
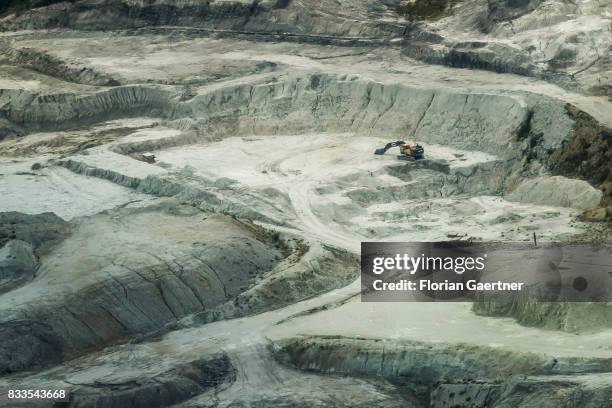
(407, 152)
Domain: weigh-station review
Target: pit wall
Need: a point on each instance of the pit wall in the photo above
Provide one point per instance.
(450, 375)
(43, 112)
(267, 17)
(523, 130)
(565, 316)
(495, 124)
(322, 103)
(533, 134)
(423, 363)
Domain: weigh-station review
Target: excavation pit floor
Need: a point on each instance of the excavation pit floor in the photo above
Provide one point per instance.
(330, 186)
(325, 176)
(58, 190)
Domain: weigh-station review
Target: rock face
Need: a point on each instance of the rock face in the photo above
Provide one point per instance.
(557, 191)
(158, 264)
(537, 391)
(507, 10)
(9, 130)
(277, 16)
(126, 286)
(554, 390)
(17, 264)
(599, 214)
(443, 375)
(566, 316)
(417, 363)
(462, 394)
(309, 103)
(328, 103)
(534, 38)
(164, 389)
(53, 66)
(28, 345)
(587, 154)
(41, 231)
(69, 110)
(332, 104)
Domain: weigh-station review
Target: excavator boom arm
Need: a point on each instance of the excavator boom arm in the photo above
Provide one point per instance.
(389, 145)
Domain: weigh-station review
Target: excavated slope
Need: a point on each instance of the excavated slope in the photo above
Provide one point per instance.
(535, 133)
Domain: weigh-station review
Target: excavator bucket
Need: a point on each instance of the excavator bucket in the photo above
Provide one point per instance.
(383, 150)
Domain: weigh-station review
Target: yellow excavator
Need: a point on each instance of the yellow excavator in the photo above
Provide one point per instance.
(407, 151)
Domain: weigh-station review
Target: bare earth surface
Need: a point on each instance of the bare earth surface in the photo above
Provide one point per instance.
(214, 180)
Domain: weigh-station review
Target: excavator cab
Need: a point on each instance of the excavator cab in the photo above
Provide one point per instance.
(407, 151)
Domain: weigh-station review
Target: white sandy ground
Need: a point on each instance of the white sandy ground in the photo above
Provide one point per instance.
(57, 190)
(286, 160)
(299, 165)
